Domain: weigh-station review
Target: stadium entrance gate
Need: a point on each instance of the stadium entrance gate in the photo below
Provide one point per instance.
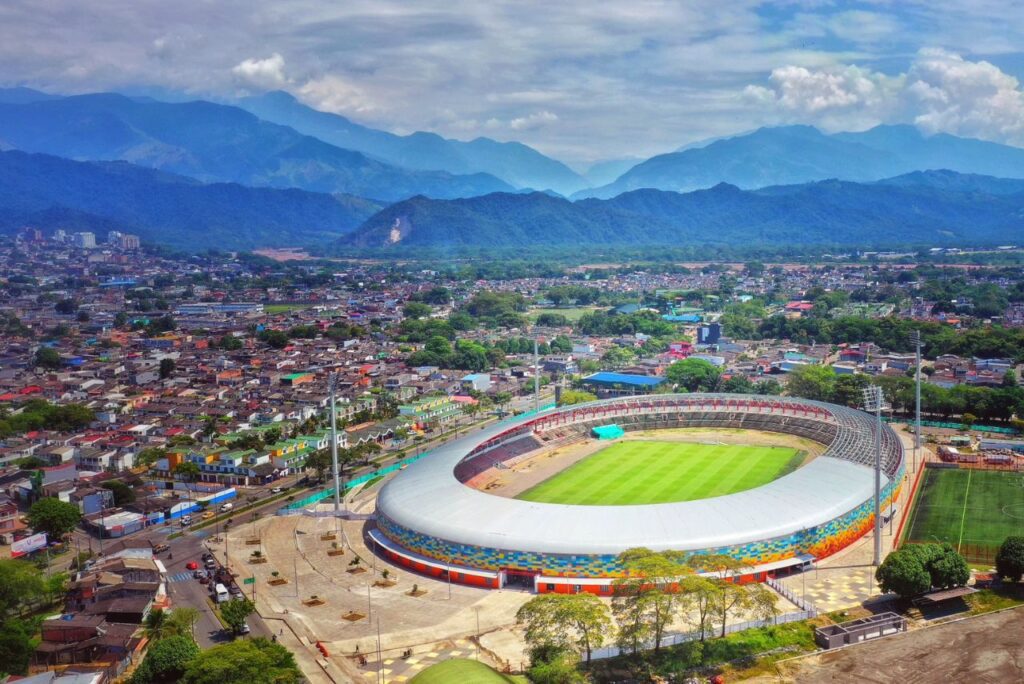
(519, 579)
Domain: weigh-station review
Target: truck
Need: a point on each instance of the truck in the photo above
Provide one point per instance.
(226, 507)
(220, 593)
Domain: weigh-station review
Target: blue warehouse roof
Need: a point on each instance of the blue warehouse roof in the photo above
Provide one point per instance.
(607, 378)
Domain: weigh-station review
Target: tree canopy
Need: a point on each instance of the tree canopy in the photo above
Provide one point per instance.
(53, 516)
(243, 662)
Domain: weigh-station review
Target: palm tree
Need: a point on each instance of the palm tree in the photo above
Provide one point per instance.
(156, 624)
(182, 621)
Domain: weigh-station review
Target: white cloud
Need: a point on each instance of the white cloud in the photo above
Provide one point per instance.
(940, 92)
(262, 74)
(532, 121)
(334, 94)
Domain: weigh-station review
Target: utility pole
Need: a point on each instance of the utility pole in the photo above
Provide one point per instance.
(915, 339)
(874, 401)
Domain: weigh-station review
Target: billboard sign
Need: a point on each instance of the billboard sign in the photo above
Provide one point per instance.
(28, 545)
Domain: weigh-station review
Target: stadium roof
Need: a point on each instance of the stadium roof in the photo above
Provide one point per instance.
(606, 377)
(428, 498)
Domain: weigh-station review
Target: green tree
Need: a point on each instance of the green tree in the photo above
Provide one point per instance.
(166, 368)
(903, 573)
(182, 621)
(156, 624)
(166, 660)
(693, 375)
(53, 516)
(577, 621)
(123, 494)
(647, 599)
(235, 613)
(416, 310)
(811, 382)
(187, 471)
(150, 455)
(1010, 558)
(48, 358)
(244, 662)
(21, 583)
(570, 397)
(16, 646)
(948, 569)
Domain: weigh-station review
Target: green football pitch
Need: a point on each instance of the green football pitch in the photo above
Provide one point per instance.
(967, 508)
(648, 472)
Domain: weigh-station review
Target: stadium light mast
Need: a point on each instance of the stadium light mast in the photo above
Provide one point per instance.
(915, 339)
(536, 377)
(874, 401)
(331, 382)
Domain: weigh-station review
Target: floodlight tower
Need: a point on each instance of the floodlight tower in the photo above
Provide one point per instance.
(915, 339)
(536, 377)
(874, 401)
(331, 382)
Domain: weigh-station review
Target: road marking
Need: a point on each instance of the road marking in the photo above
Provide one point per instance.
(963, 517)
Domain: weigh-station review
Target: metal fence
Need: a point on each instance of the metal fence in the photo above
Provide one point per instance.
(683, 637)
(792, 596)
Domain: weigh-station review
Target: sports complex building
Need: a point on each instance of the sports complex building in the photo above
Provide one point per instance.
(439, 518)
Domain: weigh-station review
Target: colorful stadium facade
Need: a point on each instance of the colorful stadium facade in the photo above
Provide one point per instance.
(431, 519)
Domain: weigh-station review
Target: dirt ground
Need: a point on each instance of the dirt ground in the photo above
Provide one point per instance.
(985, 649)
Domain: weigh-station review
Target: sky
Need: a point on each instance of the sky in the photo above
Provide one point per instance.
(581, 80)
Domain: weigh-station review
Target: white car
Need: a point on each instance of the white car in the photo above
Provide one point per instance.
(276, 490)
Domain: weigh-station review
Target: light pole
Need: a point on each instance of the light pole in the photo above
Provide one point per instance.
(874, 401)
(915, 339)
(536, 377)
(331, 381)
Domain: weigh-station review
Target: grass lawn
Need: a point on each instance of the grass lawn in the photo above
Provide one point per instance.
(283, 308)
(648, 472)
(968, 508)
(572, 314)
(461, 671)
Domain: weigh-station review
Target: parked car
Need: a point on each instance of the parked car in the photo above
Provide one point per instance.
(198, 574)
(235, 589)
(207, 556)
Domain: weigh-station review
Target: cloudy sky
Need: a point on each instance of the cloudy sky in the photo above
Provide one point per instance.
(582, 80)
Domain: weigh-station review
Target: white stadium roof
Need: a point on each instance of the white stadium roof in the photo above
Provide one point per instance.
(428, 498)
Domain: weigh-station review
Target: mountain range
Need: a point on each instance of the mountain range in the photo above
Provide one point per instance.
(936, 208)
(50, 192)
(215, 143)
(800, 154)
(513, 162)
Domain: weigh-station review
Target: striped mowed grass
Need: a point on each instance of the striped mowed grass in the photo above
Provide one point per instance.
(649, 472)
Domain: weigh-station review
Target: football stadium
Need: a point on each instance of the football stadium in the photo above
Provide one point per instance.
(550, 500)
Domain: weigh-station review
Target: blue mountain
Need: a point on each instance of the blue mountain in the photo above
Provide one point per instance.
(802, 154)
(513, 162)
(215, 143)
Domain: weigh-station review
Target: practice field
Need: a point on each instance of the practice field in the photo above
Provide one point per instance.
(648, 472)
(974, 510)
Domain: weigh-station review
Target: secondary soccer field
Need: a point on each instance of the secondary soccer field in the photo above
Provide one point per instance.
(648, 472)
(974, 510)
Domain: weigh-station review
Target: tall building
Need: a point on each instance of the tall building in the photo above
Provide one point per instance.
(85, 240)
(709, 333)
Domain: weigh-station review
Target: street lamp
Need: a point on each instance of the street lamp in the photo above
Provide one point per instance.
(875, 401)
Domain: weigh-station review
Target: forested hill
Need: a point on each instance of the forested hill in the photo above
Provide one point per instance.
(49, 192)
(937, 209)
